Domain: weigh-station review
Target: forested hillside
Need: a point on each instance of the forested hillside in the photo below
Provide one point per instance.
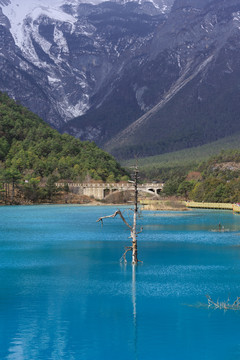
(32, 153)
(215, 180)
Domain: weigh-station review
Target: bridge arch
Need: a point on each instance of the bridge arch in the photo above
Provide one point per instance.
(102, 190)
(148, 191)
(109, 191)
(151, 190)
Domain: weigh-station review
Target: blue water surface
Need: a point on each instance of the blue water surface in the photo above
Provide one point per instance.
(65, 296)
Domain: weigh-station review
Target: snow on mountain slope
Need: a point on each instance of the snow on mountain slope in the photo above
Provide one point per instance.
(49, 55)
(66, 49)
(93, 70)
(17, 12)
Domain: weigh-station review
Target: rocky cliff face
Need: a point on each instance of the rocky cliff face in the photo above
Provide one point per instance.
(137, 78)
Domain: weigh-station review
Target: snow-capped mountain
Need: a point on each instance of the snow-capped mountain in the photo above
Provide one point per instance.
(144, 76)
(19, 13)
(62, 50)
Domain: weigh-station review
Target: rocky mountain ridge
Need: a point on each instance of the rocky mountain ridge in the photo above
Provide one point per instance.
(189, 80)
(139, 78)
(54, 58)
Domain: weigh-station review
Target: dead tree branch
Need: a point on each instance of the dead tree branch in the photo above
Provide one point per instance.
(141, 230)
(118, 212)
(123, 258)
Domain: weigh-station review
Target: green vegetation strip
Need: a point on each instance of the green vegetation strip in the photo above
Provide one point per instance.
(187, 157)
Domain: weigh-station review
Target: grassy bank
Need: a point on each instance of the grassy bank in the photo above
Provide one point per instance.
(163, 205)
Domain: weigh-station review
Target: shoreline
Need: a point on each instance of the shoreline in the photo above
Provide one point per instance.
(165, 205)
(170, 204)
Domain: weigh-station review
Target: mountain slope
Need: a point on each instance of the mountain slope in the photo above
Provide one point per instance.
(186, 157)
(54, 57)
(138, 78)
(31, 148)
(189, 83)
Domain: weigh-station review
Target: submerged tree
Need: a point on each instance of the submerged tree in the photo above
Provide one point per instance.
(133, 227)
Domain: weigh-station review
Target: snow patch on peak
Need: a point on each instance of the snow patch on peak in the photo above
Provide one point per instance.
(75, 3)
(53, 13)
(60, 41)
(17, 13)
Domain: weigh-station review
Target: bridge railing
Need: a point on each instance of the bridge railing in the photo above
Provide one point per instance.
(109, 185)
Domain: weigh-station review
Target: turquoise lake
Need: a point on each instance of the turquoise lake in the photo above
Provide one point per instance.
(65, 296)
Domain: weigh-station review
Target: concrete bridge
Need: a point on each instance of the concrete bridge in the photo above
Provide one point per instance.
(100, 190)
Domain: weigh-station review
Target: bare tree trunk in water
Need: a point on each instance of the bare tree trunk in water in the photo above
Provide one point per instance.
(133, 228)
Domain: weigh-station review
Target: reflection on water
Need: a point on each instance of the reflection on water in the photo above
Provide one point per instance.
(134, 302)
(193, 221)
(64, 294)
